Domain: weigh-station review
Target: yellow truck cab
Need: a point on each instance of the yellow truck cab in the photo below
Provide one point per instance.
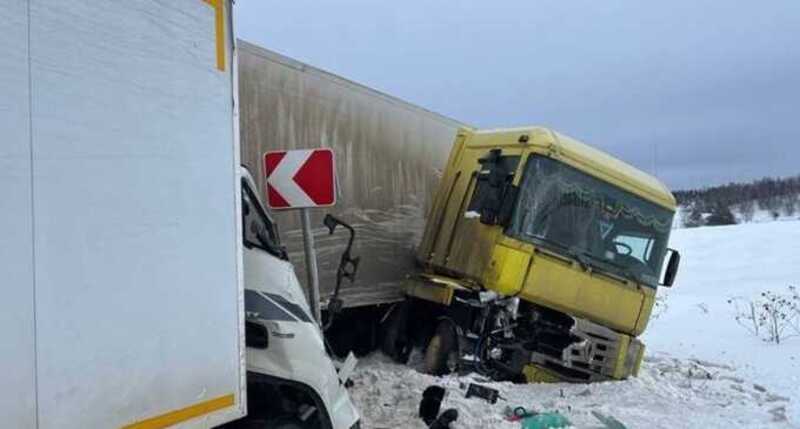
(543, 255)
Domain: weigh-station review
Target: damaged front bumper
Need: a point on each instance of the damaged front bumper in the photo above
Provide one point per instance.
(598, 354)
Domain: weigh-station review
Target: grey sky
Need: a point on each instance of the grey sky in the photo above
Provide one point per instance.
(710, 89)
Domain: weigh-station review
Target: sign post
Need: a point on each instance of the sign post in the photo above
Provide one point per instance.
(302, 179)
(311, 265)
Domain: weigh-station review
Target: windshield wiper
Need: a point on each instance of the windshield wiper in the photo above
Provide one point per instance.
(587, 259)
(570, 252)
(625, 271)
(561, 248)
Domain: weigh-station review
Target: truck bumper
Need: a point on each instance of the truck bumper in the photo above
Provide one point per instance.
(603, 354)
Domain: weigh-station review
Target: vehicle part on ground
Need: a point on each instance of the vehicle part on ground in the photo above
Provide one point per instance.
(431, 403)
(443, 421)
(476, 390)
(546, 420)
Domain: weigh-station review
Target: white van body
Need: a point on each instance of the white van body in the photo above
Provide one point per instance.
(296, 355)
(121, 262)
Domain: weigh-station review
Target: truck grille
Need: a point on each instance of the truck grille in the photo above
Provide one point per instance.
(598, 354)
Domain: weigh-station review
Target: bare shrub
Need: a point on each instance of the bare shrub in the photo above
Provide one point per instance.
(745, 314)
(773, 316)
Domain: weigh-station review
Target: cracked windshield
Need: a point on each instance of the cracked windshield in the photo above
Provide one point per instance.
(600, 225)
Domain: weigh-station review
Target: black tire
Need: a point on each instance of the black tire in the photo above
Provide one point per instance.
(441, 352)
(396, 343)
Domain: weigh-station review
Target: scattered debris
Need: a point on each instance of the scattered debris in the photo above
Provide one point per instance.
(443, 422)
(517, 414)
(487, 393)
(431, 403)
(534, 420)
(609, 421)
(778, 414)
(388, 395)
(549, 420)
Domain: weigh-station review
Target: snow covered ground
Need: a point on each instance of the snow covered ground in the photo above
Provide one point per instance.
(719, 263)
(701, 369)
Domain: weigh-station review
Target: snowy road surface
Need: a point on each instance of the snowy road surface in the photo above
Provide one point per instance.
(701, 370)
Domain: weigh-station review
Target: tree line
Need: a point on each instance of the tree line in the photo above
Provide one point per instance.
(714, 205)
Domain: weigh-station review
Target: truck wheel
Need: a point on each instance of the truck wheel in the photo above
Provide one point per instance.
(441, 354)
(396, 343)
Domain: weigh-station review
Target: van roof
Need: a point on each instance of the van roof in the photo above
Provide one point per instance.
(594, 161)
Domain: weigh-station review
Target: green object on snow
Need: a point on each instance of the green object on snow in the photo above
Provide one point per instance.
(545, 421)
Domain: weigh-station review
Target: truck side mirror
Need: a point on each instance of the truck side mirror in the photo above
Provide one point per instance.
(256, 335)
(673, 260)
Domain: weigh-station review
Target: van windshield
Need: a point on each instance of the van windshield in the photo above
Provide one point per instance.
(258, 229)
(591, 220)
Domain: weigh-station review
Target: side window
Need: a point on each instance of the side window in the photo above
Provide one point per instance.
(492, 180)
(258, 229)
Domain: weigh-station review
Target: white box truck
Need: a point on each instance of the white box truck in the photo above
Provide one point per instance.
(134, 262)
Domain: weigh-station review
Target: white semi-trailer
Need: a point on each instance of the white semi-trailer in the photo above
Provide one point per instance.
(143, 284)
(390, 155)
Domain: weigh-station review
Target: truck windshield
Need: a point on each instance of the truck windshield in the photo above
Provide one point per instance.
(590, 220)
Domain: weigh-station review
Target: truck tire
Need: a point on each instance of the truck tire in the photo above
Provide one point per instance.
(396, 343)
(442, 350)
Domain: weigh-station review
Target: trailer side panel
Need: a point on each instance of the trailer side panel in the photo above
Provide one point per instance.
(389, 155)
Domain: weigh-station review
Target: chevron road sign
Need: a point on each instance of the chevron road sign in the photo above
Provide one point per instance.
(300, 178)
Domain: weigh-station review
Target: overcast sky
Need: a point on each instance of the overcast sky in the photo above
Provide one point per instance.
(709, 89)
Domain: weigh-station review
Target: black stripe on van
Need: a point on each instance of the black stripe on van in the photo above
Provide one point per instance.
(295, 309)
(265, 309)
